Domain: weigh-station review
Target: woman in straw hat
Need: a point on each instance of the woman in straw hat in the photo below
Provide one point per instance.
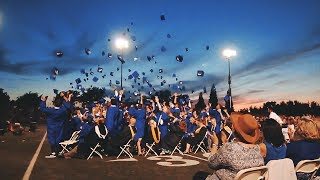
(241, 154)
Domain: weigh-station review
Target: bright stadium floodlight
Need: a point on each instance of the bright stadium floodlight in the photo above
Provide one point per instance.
(228, 53)
(122, 43)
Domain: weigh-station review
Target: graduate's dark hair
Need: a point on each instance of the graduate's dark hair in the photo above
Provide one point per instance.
(113, 101)
(57, 102)
(272, 132)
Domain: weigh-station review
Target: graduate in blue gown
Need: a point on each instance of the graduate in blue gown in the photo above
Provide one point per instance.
(112, 118)
(56, 118)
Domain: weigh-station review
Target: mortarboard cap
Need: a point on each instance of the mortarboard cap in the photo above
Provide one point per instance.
(151, 70)
(111, 73)
(144, 79)
(103, 53)
(95, 79)
(143, 73)
(118, 69)
(207, 47)
(160, 70)
(78, 80)
(109, 40)
(180, 82)
(187, 49)
(129, 70)
(168, 36)
(99, 70)
(149, 58)
(136, 47)
(163, 49)
(128, 29)
(174, 75)
(87, 51)
(109, 55)
(135, 59)
(55, 91)
(132, 86)
(133, 38)
(179, 58)
(83, 71)
(130, 76)
(59, 53)
(117, 82)
(79, 86)
(162, 17)
(87, 74)
(139, 84)
(55, 71)
(135, 74)
(200, 73)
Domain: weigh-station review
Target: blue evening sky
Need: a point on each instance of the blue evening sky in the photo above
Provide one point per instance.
(277, 44)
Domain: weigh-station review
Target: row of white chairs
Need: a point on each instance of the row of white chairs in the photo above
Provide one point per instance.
(280, 169)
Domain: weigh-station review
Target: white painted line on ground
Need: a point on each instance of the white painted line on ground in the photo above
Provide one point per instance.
(196, 157)
(27, 174)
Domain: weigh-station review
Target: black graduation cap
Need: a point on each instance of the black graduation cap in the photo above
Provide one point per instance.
(87, 74)
(180, 82)
(55, 91)
(87, 51)
(163, 49)
(160, 70)
(117, 82)
(120, 58)
(187, 49)
(143, 73)
(129, 70)
(71, 83)
(87, 78)
(136, 47)
(152, 56)
(192, 91)
(59, 53)
(162, 17)
(200, 73)
(162, 83)
(95, 79)
(133, 38)
(161, 77)
(130, 76)
(91, 73)
(84, 80)
(47, 78)
(207, 47)
(118, 69)
(139, 84)
(78, 80)
(83, 71)
(168, 36)
(109, 40)
(151, 70)
(111, 73)
(55, 71)
(104, 76)
(99, 70)
(174, 75)
(72, 87)
(128, 29)
(176, 79)
(132, 86)
(179, 58)
(109, 55)
(149, 58)
(103, 53)
(131, 23)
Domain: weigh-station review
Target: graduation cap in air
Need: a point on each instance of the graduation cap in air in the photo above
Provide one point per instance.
(149, 58)
(79, 86)
(139, 84)
(84, 80)
(103, 53)
(71, 83)
(180, 82)
(129, 70)
(55, 71)
(151, 70)
(109, 55)
(163, 49)
(53, 77)
(143, 73)
(83, 71)
(95, 79)
(91, 73)
(130, 76)
(174, 75)
(132, 86)
(144, 80)
(164, 81)
(168, 36)
(200, 73)
(103, 76)
(136, 47)
(133, 38)
(59, 53)
(99, 70)
(117, 82)
(187, 49)
(128, 29)
(135, 74)
(175, 87)
(136, 93)
(131, 23)
(87, 51)
(160, 70)
(110, 83)
(120, 58)
(161, 77)
(109, 40)
(179, 58)
(207, 47)
(150, 85)
(118, 69)
(192, 91)
(55, 91)
(135, 59)
(161, 83)
(162, 17)
(111, 73)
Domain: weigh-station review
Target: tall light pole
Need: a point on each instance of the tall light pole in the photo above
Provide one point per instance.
(122, 44)
(228, 54)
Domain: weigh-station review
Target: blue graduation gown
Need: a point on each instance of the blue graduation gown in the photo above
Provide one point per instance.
(217, 116)
(56, 119)
(112, 118)
(140, 115)
(164, 127)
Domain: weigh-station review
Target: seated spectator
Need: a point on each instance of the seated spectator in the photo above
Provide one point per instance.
(240, 154)
(274, 147)
(197, 136)
(173, 137)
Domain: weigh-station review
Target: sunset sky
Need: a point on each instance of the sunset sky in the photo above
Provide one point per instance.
(277, 44)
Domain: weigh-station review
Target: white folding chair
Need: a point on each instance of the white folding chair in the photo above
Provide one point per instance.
(308, 166)
(177, 147)
(73, 140)
(150, 148)
(125, 149)
(94, 150)
(256, 173)
(201, 144)
(281, 169)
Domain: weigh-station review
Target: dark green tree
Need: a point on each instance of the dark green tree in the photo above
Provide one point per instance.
(213, 97)
(5, 108)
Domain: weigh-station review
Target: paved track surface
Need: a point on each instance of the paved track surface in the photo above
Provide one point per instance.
(16, 153)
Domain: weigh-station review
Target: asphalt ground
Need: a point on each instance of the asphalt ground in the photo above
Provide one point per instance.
(16, 153)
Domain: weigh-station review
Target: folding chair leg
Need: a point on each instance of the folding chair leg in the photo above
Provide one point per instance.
(122, 150)
(150, 149)
(94, 151)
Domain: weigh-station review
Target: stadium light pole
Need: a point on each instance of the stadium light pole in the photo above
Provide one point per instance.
(121, 44)
(228, 54)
